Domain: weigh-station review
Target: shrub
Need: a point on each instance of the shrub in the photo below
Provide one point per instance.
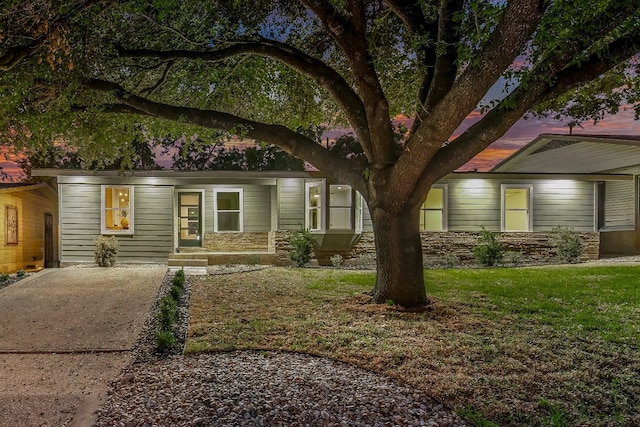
(165, 340)
(365, 260)
(167, 313)
(4, 278)
(451, 260)
(179, 274)
(106, 252)
(513, 257)
(175, 292)
(489, 250)
(300, 242)
(178, 281)
(21, 273)
(336, 260)
(567, 244)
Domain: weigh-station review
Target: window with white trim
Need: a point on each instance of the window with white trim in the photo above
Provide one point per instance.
(433, 212)
(228, 209)
(340, 197)
(359, 214)
(116, 209)
(516, 208)
(313, 204)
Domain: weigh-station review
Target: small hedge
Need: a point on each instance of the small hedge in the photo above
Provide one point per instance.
(165, 334)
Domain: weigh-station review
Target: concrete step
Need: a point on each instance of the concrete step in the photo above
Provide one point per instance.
(190, 271)
(203, 259)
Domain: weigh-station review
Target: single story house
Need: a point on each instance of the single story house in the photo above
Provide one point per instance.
(207, 217)
(28, 227)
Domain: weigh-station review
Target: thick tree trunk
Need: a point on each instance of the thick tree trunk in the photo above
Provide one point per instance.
(400, 275)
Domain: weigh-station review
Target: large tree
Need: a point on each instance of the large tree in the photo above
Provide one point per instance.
(86, 70)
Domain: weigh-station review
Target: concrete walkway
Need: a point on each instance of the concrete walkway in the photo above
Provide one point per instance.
(64, 335)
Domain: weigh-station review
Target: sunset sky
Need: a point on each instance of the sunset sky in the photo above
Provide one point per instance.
(520, 134)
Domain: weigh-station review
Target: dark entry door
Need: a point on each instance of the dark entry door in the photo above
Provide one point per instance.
(49, 253)
(190, 219)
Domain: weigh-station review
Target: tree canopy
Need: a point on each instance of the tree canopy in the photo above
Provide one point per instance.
(96, 72)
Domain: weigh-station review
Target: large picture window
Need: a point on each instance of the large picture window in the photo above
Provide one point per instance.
(516, 212)
(313, 217)
(340, 207)
(433, 213)
(117, 209)
(227, 207)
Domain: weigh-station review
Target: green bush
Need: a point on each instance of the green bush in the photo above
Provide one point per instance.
(175, 292)
(106, 252)
(336, 260)
(178, 281)
(4, 278)
(489, 250)
(167, 313)
(179, 274)
(451, 260)
(513, 257)
(165, 340)
(300, 252)
(21, 273)
(567, 244)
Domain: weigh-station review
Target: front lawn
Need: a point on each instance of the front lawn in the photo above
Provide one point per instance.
(537, 346)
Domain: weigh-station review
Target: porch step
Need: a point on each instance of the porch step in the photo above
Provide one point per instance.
(187, 261)
(202, 259)
(190, 271)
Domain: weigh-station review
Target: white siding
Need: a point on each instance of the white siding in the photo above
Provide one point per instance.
(291, 198)
(618, 203)
(80, 224)
(475, 203)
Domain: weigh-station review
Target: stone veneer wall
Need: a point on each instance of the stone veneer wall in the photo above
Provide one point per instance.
(235, 242)
(441, 247)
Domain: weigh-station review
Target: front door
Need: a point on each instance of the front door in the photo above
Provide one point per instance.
(190, 219)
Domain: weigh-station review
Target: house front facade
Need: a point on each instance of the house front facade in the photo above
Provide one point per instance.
(239, 217)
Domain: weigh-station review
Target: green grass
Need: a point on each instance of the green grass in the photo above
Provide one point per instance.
(596, 303)
(549, 346)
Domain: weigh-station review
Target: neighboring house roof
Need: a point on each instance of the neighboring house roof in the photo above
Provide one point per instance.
(574, 154)
(39, 188)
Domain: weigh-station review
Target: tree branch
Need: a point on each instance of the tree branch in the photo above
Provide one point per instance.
(518, 23)
(444, 69)
(496, 123)
(325, 76)
(356, 50)
(292, 142)
(110, 109)
(149, 90)
(13, 56)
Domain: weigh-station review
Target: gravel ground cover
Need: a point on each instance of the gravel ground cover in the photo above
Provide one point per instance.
(250, 388)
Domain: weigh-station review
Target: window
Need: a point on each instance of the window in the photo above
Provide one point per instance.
(11, 224)
(433, 213)
(516, 212)
(340, 207)
(117, 209)
(359, 213)
(227, 208)
(313, 217)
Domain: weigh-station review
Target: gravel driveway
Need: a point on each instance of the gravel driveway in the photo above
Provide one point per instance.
(66, 333)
